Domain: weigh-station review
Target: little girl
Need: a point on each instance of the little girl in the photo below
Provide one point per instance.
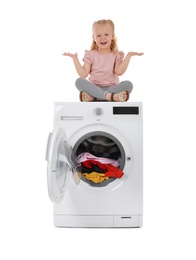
(104, 63)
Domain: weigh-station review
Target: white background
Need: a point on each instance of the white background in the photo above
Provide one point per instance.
(34, 74)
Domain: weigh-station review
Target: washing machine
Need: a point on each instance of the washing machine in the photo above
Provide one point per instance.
(85, 136)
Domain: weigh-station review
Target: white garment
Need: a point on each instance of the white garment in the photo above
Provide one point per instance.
(88, 156)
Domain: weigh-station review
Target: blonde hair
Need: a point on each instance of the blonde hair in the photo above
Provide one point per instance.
(114, 46)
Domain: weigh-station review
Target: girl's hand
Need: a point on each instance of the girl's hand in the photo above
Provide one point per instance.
(72, 55)
(134, 53)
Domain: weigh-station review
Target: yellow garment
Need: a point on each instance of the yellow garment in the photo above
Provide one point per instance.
(95, 177)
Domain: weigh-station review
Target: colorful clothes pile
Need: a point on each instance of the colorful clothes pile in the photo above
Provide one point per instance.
(99, 169)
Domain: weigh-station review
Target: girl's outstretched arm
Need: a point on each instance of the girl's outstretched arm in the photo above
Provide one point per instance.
(121, 66)
(82, 71)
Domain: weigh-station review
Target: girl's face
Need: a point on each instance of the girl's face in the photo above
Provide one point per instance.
(103, 36)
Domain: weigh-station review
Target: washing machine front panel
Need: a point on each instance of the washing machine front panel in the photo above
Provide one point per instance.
(120, 200)
(119, 121)
(60, 160)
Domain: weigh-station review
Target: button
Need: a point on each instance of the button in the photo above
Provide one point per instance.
(98, 111)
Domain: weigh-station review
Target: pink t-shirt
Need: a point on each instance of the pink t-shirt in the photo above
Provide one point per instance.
(102, 67)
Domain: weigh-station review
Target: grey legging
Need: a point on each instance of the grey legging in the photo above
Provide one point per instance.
(101, 92)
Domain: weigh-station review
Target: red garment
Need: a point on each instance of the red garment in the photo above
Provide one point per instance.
(110, 170)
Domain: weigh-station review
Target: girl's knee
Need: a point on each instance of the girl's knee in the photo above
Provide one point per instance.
(128, 85)
(79, 83)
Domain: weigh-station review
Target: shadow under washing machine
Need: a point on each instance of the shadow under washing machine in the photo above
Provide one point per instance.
(95, 164)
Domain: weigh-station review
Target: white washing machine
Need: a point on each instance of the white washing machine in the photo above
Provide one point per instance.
(101, 130)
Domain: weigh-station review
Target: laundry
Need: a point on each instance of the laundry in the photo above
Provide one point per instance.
(88, 156)
(109, 170)
(95, 177)
(94, 168)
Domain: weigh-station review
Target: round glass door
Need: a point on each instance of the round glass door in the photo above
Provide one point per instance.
(104, 148)
(59, 157)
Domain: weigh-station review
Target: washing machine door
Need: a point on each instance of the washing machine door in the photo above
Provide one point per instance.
(61, 162)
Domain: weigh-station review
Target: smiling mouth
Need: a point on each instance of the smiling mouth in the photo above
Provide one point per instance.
(103, 43)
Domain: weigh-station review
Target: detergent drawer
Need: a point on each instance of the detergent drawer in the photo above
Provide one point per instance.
(128, 221)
